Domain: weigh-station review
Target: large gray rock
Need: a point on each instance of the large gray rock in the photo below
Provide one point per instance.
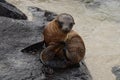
(15, 35)
(8, 10)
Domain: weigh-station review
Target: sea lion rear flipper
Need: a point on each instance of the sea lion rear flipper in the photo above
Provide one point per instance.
(33, 48)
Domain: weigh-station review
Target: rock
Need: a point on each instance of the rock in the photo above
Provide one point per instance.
(14, 36)
(40, 15)
(8, 10)
(17, 35)
(2, 1)
(116, 71)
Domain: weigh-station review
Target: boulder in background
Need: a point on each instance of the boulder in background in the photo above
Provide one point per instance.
(8, 10)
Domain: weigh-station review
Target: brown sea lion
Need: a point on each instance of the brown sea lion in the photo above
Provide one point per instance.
(64, 47)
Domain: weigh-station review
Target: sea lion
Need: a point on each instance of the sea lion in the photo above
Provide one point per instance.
(64, 47)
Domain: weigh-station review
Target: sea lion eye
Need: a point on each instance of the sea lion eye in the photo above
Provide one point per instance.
(60, 23)
(71, 24)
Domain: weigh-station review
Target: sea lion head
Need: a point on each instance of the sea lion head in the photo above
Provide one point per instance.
(65, 22)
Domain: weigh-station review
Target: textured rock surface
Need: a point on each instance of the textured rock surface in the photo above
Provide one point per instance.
(15, 65)
(8, 10)
(14, 36)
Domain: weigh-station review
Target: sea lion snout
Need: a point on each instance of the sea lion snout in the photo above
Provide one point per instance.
(66, 29)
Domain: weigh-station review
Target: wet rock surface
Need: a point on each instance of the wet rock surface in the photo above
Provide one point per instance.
(16, 35)
(9, 10)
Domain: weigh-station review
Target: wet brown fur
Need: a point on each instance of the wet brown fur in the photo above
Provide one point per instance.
(75, 47)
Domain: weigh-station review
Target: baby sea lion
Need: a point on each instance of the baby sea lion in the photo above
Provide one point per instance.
(64, 47)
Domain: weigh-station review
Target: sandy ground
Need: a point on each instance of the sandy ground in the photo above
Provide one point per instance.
(99, 27)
